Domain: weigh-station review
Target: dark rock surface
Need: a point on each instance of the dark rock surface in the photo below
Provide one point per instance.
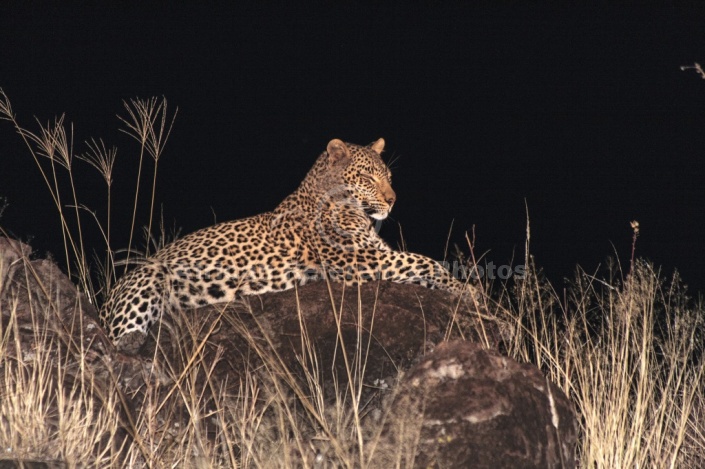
(40, 299)
(480, 409)
(394, 324)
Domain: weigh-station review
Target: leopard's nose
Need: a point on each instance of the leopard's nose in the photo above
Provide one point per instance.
(391, 198)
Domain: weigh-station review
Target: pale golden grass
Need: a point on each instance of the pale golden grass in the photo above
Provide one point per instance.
(48, 411)
(628, 352)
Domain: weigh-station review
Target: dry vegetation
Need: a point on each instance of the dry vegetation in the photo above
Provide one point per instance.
(624, 344)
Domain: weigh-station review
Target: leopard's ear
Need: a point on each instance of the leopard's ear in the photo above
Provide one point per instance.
(378, 146)
(337, 151)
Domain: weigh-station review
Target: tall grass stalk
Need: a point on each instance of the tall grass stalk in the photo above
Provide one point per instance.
(147, 124)
(103, 160)
(52, 143)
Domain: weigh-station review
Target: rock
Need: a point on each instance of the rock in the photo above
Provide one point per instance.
(476, 408)
(41, 299)
(394, 324)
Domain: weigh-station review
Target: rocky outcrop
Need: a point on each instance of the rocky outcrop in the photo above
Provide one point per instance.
(476, 408)
(394, 324)
(37, 300)
(469, 406)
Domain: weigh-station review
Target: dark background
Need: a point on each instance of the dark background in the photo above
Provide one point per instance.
(581, 114)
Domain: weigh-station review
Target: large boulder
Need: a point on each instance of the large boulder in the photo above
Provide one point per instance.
(37, 299)
(394, 325)
(472, 407)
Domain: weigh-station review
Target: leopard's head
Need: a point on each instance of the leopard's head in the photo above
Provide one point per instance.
(366, 177)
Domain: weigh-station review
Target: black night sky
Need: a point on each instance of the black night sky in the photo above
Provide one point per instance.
(582, 114)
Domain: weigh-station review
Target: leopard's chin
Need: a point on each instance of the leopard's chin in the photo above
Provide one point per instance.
(379, 215)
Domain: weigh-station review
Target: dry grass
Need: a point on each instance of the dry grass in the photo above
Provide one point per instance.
(626, 348)
(628, 351)
(50, 408)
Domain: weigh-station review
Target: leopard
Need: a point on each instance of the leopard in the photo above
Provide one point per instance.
(325, 229)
